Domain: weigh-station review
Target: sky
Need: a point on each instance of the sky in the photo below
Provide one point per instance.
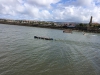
(51, 10)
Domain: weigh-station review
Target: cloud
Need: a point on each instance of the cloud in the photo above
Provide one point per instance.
(37, 13)
(44, 3)
(83, 2)
(51, 10)
(71, 14)
(11, 7)
(77, 11)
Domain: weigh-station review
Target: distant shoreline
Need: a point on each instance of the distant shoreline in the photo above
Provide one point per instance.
(37, 25)
(51, 27)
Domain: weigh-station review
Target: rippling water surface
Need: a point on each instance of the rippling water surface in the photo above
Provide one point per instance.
(68, 54)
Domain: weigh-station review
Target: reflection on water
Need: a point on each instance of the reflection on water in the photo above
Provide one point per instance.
(68, 54)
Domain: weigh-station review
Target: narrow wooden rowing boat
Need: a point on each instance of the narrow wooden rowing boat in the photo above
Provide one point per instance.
(44, 38)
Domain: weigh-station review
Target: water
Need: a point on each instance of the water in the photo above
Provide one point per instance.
(68, 54)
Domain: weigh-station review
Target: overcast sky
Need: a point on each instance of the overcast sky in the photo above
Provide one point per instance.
(51, 10)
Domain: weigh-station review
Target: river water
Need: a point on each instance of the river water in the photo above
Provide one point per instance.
(67, 54)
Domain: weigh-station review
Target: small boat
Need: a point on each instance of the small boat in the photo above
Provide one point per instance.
(36, 37)
(67, 31)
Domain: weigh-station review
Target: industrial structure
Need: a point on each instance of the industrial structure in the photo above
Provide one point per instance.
(90, 23)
